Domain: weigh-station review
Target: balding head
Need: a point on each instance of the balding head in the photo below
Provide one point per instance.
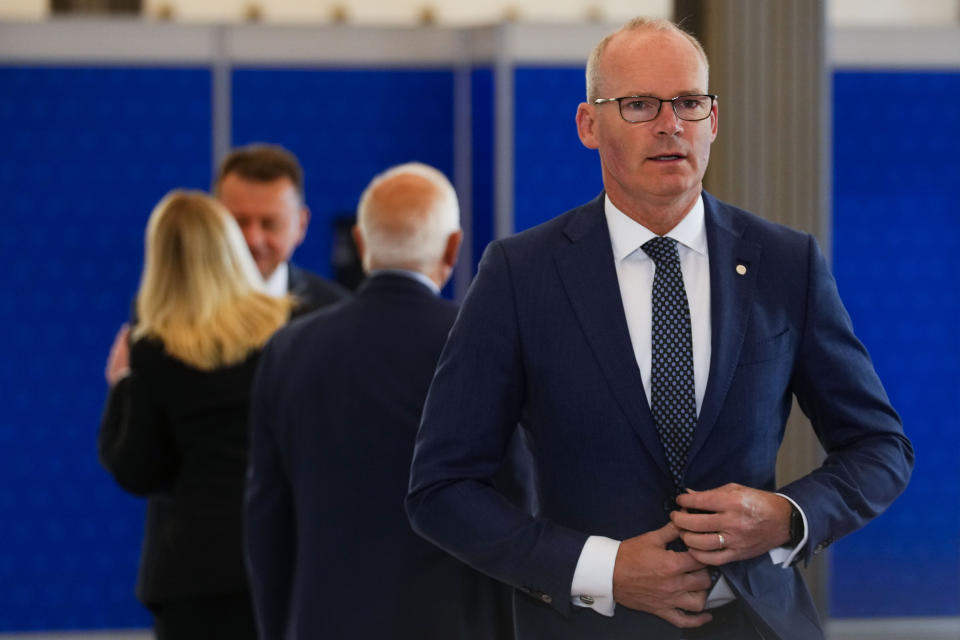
(406, 218)
(594, 71)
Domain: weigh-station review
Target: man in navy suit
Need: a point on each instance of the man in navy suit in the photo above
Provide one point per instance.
(640, 533)
(336, 405)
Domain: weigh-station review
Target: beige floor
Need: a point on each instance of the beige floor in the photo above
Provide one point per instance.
(894, 629)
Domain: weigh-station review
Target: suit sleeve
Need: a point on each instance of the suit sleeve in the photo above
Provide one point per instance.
(135, 443)
(270, 538)
(869, 459)
(472, 410)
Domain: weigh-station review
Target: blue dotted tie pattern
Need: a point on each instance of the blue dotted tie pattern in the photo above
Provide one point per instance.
(673, 400)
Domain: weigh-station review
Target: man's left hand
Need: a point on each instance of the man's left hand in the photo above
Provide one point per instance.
(118, 362)
(741, 523)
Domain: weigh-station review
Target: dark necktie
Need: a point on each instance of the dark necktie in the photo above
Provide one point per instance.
(673, 398)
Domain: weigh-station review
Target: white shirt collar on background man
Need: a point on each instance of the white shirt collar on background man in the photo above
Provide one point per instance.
(277, 283)
(416, 275)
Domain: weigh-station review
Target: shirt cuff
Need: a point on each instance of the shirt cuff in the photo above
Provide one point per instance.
(784, 556)
(592, 585)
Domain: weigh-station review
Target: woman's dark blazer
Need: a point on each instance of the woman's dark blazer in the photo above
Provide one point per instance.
(178, 436)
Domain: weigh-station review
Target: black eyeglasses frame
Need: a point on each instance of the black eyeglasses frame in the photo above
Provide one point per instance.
(673, 104)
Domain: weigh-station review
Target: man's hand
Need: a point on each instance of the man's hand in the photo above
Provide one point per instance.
(649, 578)
(743, 523)
(118, 362)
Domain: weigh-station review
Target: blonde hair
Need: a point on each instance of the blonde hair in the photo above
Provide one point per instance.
(405, 215)
(636, 24)
(200, 293)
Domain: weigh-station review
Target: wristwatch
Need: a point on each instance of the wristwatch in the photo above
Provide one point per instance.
(796, 526)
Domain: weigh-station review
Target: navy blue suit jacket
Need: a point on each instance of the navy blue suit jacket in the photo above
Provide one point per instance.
(542, 341)
(336, 405)
(311, 291)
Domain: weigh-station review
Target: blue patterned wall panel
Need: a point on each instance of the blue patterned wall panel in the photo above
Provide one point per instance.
(345, 126)
(553, 172)
(897, 263)
(87, 153)
(483, 132)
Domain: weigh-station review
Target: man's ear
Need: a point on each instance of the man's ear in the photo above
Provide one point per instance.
(303, 221)
(444, 269)
(715, 118)
(587, 125)
(358, 240)
(452, 250)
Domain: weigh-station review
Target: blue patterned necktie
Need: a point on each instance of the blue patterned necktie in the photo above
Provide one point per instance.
(673, 398)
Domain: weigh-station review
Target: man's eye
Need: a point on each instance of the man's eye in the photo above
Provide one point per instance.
(638, 106)
(691, 103)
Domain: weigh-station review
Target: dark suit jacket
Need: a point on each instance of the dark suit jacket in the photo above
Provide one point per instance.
(312, 291)
(542, 339)
(336, 406)
(179, 436)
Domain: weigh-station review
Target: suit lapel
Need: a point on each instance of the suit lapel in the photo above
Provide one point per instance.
(734, 264)
(295, 283)
(589, 276)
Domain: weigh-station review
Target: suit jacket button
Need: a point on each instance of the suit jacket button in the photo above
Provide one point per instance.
(546, 598)
(587, 600)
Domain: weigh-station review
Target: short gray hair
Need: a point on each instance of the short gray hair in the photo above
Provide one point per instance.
(636, 24)
(405, 225)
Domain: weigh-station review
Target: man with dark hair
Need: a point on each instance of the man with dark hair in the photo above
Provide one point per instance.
(262, 186)
(651, 343)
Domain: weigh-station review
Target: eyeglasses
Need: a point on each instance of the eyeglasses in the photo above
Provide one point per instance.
(647, 108)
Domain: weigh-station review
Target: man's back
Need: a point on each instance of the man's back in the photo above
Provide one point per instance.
(336, 409)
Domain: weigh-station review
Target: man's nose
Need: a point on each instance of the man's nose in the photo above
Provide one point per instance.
(667, 122)
(253, 235)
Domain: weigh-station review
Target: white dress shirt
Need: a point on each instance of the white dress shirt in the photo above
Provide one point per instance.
(276, 284)
(593, 577)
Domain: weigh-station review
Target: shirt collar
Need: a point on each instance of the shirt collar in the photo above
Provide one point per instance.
(277, 283)
(627, 235)
(407, 273)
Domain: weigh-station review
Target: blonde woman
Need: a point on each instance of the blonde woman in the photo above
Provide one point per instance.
(175, 424)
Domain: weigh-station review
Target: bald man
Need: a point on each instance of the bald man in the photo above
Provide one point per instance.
(336, 405)
(651, 343)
